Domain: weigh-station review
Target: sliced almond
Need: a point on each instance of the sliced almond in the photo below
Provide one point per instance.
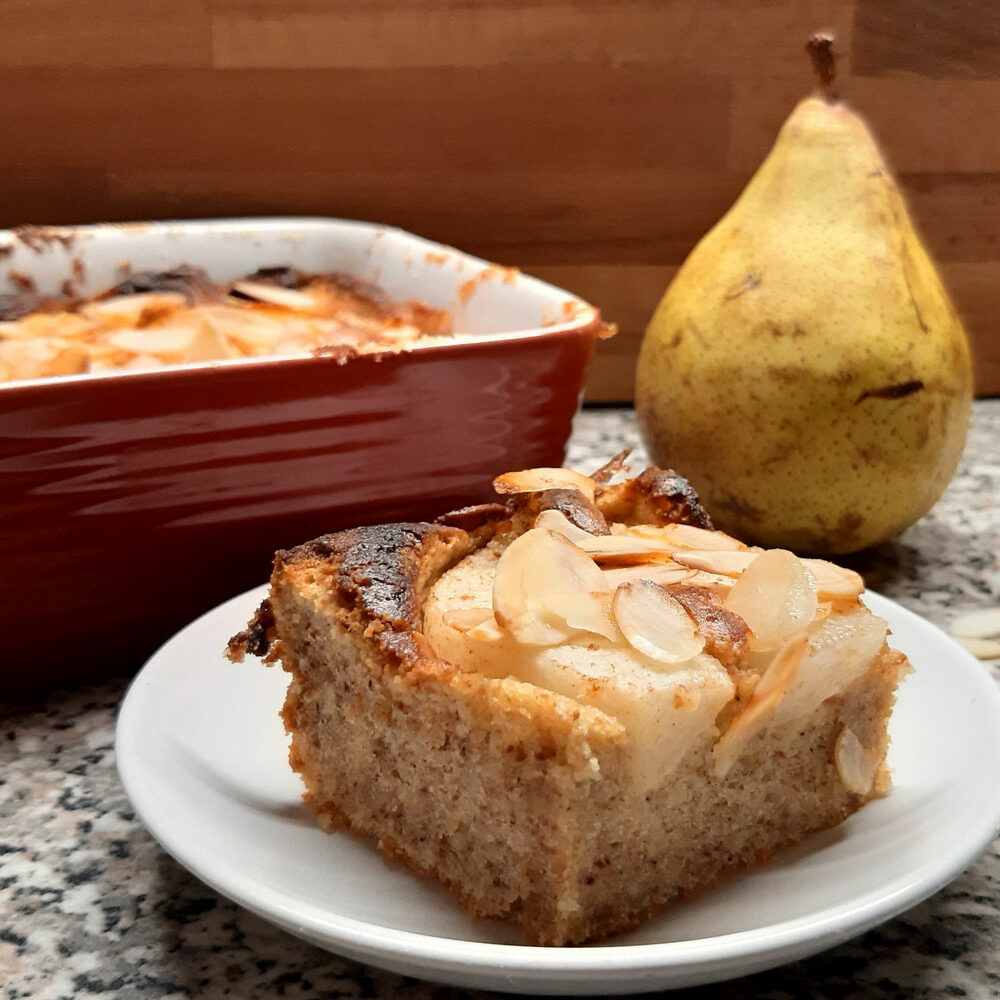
(557, 521)
(721, 585)
(465, 619)
(68, 359)
(141, 363)
(782, 669)
(623, 548)
(855, 765)
(250, 333)
(190, 340)
(580, 611)
(43, 356)
(29, 327)
(127, 310)
(60, 326)
(510, 599)
(654, 572)
(768, 693)
(775, 596)
(565, 588)
(723, 562)
(983, 649)
(655, 624)
(618, 550)
(666, 572)
(687, 536)
(275, 295)
(545, 589)
(207, 344)
(981, 624)
(539, 480)
(834, 582)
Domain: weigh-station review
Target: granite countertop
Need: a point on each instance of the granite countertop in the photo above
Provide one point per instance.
(91, 906)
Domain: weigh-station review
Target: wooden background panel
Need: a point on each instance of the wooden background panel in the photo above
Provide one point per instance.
(105, 33)
(960, 38)
(427, 121)
(591, 142)
(702, 37)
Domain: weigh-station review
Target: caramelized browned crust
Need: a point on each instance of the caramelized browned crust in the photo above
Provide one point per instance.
(726, 634)
(525, 507)
(657, 496)
(256, 638)
(379, 576)
(472, 518)
(577, 509)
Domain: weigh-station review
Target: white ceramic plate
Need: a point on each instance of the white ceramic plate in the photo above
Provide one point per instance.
(202, 755)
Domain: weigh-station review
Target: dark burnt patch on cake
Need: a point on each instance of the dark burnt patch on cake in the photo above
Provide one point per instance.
(726, 634)
(256, 638)
(380, 568)
(657, 496)
(675, 497)
(379, 576)
(525, 507)
(475, 517)
(578, 509)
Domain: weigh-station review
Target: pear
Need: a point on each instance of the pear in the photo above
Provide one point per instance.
(806, 369)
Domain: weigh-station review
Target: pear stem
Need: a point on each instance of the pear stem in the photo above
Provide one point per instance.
(820, 49)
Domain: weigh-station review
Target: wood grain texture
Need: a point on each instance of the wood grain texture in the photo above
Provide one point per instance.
(703, 37)
(589, 141)
(429, 121)
(960, 38)
(103, 33)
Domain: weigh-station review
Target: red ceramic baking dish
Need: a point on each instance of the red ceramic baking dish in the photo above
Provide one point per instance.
(132, 501)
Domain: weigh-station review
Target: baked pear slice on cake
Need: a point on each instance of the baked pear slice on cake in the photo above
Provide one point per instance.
(578, 703)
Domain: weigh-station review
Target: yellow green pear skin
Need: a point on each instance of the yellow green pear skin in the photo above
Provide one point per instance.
(806, 369)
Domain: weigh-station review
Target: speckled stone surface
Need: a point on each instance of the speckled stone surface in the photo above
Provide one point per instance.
(91, 907)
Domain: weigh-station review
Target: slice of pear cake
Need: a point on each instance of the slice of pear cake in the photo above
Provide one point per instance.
(578, 704)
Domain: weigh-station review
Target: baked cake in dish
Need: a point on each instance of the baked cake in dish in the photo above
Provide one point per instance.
(152, 319)
(580, 703)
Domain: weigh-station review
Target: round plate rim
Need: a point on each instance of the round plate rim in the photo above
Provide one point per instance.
(472, 962)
